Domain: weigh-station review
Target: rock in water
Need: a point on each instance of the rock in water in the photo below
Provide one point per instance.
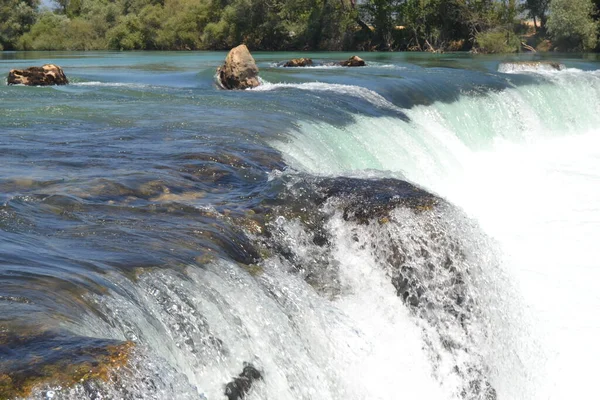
(240, 70)
(241, 385)
(32, 360)
(299, 62)
(353, 61)
(46, 75)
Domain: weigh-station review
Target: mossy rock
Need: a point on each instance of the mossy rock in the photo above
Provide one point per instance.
(30, 360)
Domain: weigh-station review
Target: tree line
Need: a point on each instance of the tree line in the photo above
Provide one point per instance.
(491, 26)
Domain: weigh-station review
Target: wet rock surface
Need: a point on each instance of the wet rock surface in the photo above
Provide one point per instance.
(353, 61)
(242, 384)
(46, 75)
(30, 360)
(299, 62)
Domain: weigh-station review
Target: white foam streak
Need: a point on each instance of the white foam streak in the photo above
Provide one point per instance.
(111, 84)
(348, 90)
(533, 66)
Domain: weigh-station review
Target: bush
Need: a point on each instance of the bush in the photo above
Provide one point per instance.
(48, 33)
(126, 35)
(495, 42)
(571, 25)
(82, 35)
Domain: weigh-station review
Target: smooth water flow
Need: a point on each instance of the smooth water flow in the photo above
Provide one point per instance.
(274, 227)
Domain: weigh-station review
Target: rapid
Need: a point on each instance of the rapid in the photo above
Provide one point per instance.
(423, 227)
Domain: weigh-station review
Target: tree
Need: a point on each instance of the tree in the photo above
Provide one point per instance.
(538, 10)
(381, 14)
(16, 18)
(571, 24)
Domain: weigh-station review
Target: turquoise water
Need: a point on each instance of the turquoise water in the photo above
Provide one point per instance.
(274, 226)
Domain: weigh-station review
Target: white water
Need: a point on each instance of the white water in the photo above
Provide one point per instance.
(348, 90)
(361, 345)
(525, 163)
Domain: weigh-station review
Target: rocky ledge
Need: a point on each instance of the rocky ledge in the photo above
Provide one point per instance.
(32, 360)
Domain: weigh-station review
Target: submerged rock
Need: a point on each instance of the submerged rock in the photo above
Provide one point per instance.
(241, 385)
(239, 71)
(299, 62)
(46, 75)
(353, 61)
(31, 360)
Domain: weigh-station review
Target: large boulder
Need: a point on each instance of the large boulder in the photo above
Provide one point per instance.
(48, 74)
(239, 71)
(299, 62)
(353, 61)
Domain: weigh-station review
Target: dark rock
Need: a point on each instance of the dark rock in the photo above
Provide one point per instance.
(299, 62)
(353, 61)
(239, 71)
(241, 385)
(46, 75)
(363, 200)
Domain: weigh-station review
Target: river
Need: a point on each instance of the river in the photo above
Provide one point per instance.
(424, 227)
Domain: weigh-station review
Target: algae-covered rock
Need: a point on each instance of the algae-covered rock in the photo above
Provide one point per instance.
(30, 360)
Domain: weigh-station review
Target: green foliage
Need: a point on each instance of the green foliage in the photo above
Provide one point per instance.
(488, 25)
(538, 10)
(126, 34)
(494, 42)
(48, 33)
(571, 24)
(57, 32)
(16, 18)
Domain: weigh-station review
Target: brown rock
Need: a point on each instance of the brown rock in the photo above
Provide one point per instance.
(30, 360)
(353, 61)
(299, 62)
(239, 71)
(48, 74)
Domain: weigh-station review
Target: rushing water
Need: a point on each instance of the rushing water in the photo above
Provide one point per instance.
(275, 226)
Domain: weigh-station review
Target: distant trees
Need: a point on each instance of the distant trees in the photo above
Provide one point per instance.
(571, 24)
(538, 11)
(485, 25)
(16, 18)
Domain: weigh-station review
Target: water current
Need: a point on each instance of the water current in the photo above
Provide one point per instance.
(420, 228)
